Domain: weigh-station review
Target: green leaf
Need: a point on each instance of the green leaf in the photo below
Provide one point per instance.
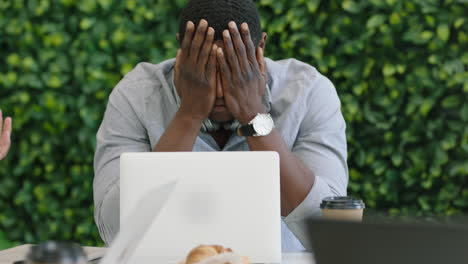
(395, 19)
(397, 159)
(422, 201)
(87, 6)
(86, 23)
(447, 143)
(388, 70)
(375, 21)
(54, 81)
(39, 193)
(426, 35)
(451, 101)
(464, 113)
(105, 4)
(426, 106)
(312, 5)
(350, 6)
(459, 22)
(13, 59)
(126, 68)
(443, 32)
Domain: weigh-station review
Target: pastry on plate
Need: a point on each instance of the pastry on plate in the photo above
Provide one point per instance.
(214, 254)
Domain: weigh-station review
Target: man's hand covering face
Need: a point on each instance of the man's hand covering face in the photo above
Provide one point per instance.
(195, 70)
(243, 73)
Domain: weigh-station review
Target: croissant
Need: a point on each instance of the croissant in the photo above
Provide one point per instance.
(203, 252)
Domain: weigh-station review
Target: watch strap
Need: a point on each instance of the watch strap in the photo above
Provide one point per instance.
(246, 131)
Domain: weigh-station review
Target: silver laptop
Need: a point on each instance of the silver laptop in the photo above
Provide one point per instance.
(226, 198)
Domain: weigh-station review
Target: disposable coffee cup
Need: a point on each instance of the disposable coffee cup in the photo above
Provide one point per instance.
(345, 208)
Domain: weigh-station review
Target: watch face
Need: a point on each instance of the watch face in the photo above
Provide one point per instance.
(263, 124)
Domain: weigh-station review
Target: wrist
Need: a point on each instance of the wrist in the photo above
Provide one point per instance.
(246, 116)
(189, 119)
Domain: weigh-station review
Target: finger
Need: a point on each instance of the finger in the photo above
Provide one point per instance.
(249, 46)
(188, 36)
(177, 61)
(238, 45)
(219, 86)
(1, 121)
(198, 39)
(211, 65)
(5, 137)
(206, 48)
(260, 60)
(223, 64)
(177, 65)
(7, 126)
(230, 54)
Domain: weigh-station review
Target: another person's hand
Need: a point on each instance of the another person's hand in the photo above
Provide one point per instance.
(5, 132)
(243, 73)
(195, 70)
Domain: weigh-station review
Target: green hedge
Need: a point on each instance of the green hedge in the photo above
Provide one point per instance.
(399, 67)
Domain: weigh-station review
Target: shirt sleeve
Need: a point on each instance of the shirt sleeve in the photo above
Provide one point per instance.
(321, 145)
(121, 131)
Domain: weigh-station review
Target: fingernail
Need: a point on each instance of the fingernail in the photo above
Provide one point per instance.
(215, 47)
(220, 51)
(190, 24)
(226, 33)
(232, 24)
(203, 22)
(245, 26)
(210, 31)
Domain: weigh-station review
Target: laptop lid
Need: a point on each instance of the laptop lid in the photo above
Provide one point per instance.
(387, 243)
(140, 219)
(226, 198)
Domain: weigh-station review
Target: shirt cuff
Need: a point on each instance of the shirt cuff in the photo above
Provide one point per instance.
(310, 207)
(107, 215)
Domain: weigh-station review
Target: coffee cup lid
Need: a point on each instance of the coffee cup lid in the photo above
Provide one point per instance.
(342, 202)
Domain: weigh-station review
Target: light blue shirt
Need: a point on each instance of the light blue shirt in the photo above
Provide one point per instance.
(305, 108)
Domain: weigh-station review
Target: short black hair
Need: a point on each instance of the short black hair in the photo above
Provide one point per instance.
(219, 13)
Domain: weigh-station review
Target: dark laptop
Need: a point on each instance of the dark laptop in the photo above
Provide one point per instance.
(377, 242)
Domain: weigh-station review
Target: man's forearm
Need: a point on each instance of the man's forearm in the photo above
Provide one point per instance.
(296, 179)
(180, 135)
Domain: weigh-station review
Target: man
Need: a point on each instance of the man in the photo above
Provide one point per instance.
(5, 133)
(205, 99)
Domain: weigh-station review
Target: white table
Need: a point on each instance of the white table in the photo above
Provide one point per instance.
(8, 256)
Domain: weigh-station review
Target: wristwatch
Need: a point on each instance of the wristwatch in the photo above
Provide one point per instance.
(261, 125)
